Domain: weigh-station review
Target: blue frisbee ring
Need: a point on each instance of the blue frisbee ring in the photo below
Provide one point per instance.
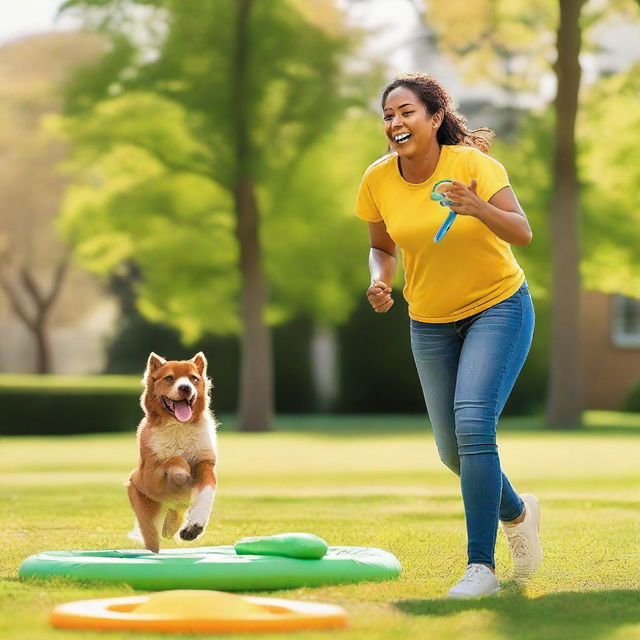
(442, 199)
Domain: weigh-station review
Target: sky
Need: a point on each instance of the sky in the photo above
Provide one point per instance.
(395, 20)
(25, 17)
(392, 20)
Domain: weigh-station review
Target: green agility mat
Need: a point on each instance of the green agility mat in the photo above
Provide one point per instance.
(219, 568)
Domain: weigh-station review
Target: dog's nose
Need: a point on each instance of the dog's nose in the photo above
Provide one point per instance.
(185, 388)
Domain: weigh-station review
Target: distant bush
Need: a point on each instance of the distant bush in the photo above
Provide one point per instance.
(632, 397)
(52, 404)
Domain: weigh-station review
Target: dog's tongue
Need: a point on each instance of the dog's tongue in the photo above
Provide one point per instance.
(182, 410)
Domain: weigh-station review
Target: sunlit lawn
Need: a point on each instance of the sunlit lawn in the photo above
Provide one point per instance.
(363, 481)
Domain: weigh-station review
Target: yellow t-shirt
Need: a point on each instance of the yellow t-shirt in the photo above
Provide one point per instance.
(471, 268)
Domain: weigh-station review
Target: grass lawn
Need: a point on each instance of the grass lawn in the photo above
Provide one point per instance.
(356, 481)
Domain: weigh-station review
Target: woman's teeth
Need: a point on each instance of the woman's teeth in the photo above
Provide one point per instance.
(402, 137)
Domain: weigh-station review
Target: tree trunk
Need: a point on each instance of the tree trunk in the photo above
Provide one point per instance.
(324, 367)
(43, 350)
(36, 318)
(255, 410)
(565, 398)
(256, 362)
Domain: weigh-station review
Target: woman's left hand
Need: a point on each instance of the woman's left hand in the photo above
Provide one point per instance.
(466, 201)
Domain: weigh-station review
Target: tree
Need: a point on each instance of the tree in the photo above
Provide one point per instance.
(565, 397)
(214, 106)
(501, 37)
(32, 303)
(34, 262)
(495, 40)
(610, 170)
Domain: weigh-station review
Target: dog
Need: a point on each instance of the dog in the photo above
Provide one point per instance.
(176, 475)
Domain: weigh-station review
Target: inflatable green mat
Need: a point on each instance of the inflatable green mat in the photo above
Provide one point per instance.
(218, 568)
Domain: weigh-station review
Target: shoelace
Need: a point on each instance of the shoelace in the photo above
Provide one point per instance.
(471, 572)
(518, 542)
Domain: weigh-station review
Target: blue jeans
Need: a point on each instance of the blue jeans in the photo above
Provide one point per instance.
(467, 370)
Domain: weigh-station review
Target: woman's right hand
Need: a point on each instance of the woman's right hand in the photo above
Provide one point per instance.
(379, 296)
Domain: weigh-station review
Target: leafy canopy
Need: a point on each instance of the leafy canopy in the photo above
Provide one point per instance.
(155, 130)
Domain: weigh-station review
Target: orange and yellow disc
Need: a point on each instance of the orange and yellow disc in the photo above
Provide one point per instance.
(197, 611)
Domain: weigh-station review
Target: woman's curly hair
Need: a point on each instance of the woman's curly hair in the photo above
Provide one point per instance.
(453, 129)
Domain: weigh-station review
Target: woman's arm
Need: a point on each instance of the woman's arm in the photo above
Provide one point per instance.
(502, 214)
(382, 266)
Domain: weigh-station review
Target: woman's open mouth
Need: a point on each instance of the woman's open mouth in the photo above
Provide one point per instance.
(181, 409)
(401, 138)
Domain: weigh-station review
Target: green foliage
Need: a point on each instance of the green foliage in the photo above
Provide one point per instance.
(632, 398)
(511, 46)
(609, 134)
(527, 159)
(496, 40)
(315, 248)
(93, 82)
(155, 130)
(609, 168)
(176, 225)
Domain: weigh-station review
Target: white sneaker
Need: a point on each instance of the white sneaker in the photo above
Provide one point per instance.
(478, 581)
(524, 540)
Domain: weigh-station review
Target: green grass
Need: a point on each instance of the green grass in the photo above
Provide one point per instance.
(366, 481)
(67, 383)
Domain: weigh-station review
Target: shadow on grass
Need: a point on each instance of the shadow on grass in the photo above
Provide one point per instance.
(589, 615)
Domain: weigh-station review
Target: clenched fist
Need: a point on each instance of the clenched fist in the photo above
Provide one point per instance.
(379, 296)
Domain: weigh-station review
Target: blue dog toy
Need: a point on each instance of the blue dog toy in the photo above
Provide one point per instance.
(442, 199)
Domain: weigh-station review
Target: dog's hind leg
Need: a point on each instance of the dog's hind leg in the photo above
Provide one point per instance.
(172, 522)
(147, 512)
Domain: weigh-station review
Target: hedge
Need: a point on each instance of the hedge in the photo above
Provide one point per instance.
(632, 397)
(56, 404)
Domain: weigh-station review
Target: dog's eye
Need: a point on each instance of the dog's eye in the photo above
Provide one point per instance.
(195, 378)
(169, 378)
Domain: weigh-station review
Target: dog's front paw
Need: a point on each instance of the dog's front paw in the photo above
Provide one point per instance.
(178, 476)
(191, 531)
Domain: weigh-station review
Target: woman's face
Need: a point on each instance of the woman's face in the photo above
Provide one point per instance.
(409, 127)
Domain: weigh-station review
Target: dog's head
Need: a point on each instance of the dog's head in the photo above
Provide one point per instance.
(178, 388)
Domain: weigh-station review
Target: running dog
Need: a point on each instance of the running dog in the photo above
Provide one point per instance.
(177, 440)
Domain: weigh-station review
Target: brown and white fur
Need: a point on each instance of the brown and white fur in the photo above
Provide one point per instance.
(177, 441)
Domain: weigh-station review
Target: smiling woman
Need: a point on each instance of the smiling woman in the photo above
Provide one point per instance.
(471, 314)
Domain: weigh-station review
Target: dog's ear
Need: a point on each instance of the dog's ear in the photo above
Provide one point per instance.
(154, 362)
(201, 363)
